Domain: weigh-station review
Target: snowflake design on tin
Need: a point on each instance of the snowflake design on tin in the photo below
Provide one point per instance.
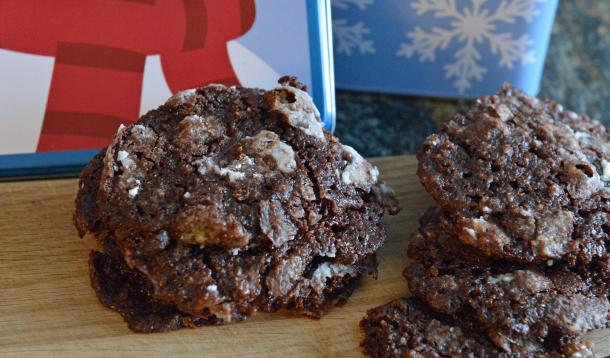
(471, 27)
(344, 4)
(352, 37)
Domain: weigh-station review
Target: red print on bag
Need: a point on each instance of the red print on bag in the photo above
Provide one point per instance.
(100, 48)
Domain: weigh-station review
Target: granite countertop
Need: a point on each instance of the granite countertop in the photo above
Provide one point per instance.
(576, 74)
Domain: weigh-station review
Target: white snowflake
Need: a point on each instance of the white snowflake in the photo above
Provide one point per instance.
(352, 37)
(344, 4)
(471, 27)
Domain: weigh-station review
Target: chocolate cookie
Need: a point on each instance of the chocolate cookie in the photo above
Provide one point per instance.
(126, 290)
(407, 328)
(524, 179)
(514, 262)
(226, 200)
(515, 306)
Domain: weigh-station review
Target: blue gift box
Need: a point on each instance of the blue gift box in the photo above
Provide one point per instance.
(70, 88)
(448, 48)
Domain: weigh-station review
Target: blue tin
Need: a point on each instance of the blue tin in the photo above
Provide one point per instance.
(447, 48)
(286, 38)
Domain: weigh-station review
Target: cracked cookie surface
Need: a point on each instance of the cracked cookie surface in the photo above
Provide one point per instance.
(227, 200)
(407, 328)
(514, 259)
(516, 306)
(524, 179)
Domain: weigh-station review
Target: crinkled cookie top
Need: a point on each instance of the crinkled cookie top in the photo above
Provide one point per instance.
(524, 179)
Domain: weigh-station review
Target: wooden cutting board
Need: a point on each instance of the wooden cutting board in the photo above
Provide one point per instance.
(47, 307)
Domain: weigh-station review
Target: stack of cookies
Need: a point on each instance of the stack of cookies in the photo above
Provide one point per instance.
(225, 201)
(513, 260)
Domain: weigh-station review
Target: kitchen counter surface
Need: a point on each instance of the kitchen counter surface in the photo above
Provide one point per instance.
(576, 74)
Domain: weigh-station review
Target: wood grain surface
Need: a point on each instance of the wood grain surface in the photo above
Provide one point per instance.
(47, 307)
